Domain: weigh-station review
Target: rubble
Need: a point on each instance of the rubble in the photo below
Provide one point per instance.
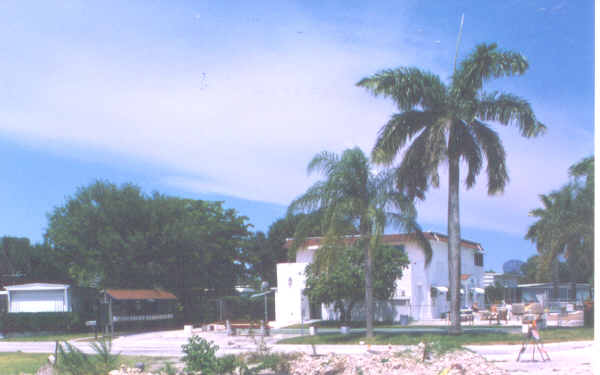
(410, 361)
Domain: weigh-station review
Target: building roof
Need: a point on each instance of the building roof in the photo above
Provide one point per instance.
(547, 285)
(391, 238)
(124, 294)
(36, 286)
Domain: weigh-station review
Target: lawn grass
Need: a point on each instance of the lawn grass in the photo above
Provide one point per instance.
(337, 324)
(51, 337)
(443, 339)
(17, 363)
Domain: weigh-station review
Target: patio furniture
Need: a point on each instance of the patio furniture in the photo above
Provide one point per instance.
(518, 310)
(466, 315)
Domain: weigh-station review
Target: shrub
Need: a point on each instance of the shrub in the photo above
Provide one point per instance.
(200, 355)
(72, 361)
(43, 321)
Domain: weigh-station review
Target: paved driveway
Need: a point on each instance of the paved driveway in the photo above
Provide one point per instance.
(572, 358)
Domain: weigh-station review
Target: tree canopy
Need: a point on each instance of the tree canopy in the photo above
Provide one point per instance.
(261, 252)
(116, 236)
(340, 280)
(564, 226)
(351, 198)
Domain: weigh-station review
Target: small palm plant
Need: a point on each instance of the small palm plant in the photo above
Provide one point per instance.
(72, 361)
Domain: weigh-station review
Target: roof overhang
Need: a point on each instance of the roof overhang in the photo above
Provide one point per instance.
(36, 286)
(140, 294)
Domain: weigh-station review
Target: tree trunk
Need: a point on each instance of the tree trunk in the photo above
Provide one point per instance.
(369, 287)
(571, 259)
(555, 278)
(349, 311)
(342, 309)
(454, 244)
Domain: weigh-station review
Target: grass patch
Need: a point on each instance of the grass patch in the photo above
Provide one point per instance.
(353, 324)
(361, 324)
(443, 339)
(17, 363)
(50, 337)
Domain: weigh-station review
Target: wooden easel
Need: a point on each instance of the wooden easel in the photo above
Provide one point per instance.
(531, 335)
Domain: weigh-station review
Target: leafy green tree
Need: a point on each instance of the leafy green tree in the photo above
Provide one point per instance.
(352, 194)
(341, 280)
(261, 252)
(110, 236)
(441, 123)
(533, 272)
(24, 262)
(495, 293)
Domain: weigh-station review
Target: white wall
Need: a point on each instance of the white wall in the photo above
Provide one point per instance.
(38, 301)
(416, 284)
(290, 305)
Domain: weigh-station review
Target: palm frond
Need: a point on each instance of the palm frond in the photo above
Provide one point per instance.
(486, 62)
(508, 109)
(323, 162)
(419, 166)
(465, 145)
(492, 147)
(398, 131)
(408, 87)
(312, 199)
(585, 167)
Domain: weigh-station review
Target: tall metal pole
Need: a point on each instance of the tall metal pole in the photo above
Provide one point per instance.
(266, 314)
(462, 20)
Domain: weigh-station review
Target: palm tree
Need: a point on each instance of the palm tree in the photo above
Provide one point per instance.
(549, 233)
(352, 193)
(565, 226)
(441, 123)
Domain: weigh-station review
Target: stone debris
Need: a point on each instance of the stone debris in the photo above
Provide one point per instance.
(389, 362)
(410, 361)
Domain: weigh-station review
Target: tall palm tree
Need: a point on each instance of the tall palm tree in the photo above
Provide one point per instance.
(549, 233)
(565, 226)
(352, 193)
(441, 123)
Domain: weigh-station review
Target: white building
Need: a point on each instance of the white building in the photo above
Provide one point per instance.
(421, 294)
(489, 278)
(38, 297)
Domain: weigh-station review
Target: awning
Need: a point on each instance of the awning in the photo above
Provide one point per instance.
(261, 294)
(479, 290)
(139, 294)
(443, 289)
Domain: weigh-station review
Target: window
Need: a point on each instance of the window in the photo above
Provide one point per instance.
(478, 259)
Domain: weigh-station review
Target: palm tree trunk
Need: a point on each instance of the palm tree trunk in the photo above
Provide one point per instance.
(369, 287)
(555, 278)
(454, 244)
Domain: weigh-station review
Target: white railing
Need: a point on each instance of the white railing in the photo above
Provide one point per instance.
(130, 318)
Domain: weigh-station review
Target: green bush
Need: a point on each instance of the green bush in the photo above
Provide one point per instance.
(44, 321)
(72, 361)
(201, 355)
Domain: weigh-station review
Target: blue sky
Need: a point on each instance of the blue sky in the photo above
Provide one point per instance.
(230, 100)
